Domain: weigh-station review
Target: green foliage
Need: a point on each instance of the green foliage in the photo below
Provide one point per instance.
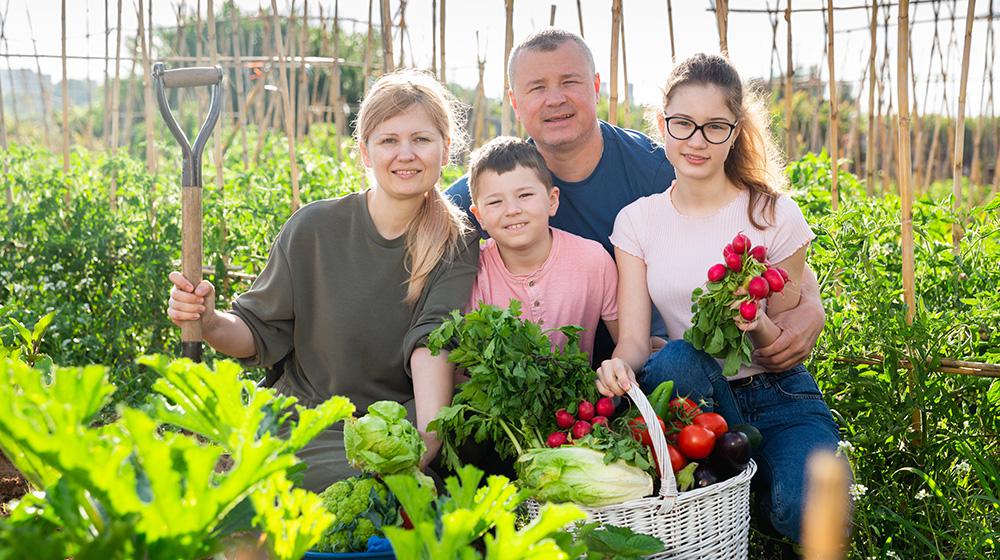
(132, 489)
(517, 381)
(608, 542)
(362, 506)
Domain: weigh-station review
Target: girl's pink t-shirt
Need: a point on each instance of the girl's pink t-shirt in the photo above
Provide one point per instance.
(678, 249)
(576, 285)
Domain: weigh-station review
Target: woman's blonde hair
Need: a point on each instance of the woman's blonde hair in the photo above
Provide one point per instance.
(755, 161)
(438, 227)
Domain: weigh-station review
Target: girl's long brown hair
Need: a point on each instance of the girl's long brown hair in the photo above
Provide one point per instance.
(438, 227)
(755, 161)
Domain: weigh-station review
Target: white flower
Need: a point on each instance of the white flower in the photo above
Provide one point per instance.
(61, 285)
(57, 267)
(891, 554)
(858, 490)
(921, 494)
(962, 468)
(844, 448)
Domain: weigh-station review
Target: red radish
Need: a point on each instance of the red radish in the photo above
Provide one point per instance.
(581, 428)
(741, 244)
(759, 253)
(556, 439)
(748, 310)
(603, 420)
(734, 262)
(774, 279)
(564, 419)
(717, 273)
(758, 287)
(728, 249)
(585, 411)
(605, 407)
(784, 275)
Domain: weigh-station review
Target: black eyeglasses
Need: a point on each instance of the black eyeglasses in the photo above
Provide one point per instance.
(715, 132)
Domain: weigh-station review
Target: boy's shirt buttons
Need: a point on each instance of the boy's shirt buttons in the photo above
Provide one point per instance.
(531, 284)
(537, 303)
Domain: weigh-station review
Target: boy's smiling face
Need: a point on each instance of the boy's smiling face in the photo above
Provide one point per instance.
(514, 208)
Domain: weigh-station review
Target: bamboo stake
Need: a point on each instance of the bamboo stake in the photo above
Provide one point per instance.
(115, 94)
(279, 46)
(505, 119)
(65, 98)
(180, 44)
(387, 56)
(199, 26)
(106, 126)
(434, 39)
(335, 94)
(315, 96)
(402, 34)
(959, 154)
(265, 105)
(670, 30)
(579, 15)
(10, 71)
(616, 19)
(441, 31)
(627, 110)
(3, 143)
(826, 515)
(870, 140)
(945, 365)
(241, 105)
(369, 47)
(479, 108)
(722, 19)
(789, 75)
(834, 111)
(217, 155)
(42, 91)
(147, 90)
(302, 107)
(130, 95)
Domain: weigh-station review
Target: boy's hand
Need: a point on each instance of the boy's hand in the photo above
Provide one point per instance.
(614, 377)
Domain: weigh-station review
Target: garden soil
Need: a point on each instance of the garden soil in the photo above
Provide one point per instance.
(12, 484)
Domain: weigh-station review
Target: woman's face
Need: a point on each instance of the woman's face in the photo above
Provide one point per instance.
(406, 153)
(702, 155)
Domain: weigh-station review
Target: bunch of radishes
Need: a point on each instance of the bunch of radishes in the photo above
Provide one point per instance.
(735, 286)
(572, 427)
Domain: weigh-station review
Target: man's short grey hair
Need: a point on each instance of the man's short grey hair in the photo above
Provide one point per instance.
(548, 39)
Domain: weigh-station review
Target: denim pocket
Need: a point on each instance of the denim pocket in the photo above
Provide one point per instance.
(798, 383)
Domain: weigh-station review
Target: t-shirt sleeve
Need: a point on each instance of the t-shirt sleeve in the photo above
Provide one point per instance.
(449, 288)
(267, 309)
(626, 233)
(791, 231)
(609, 275)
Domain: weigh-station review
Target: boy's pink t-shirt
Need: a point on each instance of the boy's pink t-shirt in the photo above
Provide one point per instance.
(576, 285)
(679, 249)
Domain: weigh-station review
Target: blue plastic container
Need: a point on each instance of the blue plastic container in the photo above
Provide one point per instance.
(350, 555)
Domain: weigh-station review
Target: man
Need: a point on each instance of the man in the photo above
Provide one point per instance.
(600, 169)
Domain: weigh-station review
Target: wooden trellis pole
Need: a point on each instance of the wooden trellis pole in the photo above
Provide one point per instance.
(789, 75)
(147, 91)
(722, 20)
(65, 97)
(959, 154)
(616, 18)
(505, 115)
(402, 34)
(441, 31)
(670, 29)
(335, 95)
(42, 90)
(627, 109)
(479, 108)
(106, 125)
(434, 43)
(241, 102)
(552, 15)
(826, 515)
(870, 140)
(834, 111)
(130, 95)
(302, 91)
(3, 140)
(369, 46)
(279, 46)
(903, 173)
(579, 15)
(115, 95)
(920, 164)
(387, 56)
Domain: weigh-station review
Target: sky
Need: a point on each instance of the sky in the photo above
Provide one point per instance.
(647, 41)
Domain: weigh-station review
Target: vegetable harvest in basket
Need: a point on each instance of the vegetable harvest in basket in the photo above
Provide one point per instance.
(735, 287)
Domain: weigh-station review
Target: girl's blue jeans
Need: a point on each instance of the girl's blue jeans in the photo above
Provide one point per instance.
(786, 407)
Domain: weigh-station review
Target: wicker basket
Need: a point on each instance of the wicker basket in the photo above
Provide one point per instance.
(707, 523)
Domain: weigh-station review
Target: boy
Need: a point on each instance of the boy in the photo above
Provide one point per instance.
(559, 278)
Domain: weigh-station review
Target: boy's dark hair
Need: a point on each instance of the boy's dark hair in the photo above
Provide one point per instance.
(503, 154)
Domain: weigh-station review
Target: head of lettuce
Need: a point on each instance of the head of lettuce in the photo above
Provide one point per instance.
(383, 441)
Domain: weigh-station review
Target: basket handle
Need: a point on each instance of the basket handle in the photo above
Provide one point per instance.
(668, 483)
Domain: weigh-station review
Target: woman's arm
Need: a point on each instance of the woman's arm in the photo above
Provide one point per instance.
(433, 383)
(801, 327)
(225, 332)
(763, 331)
(616, 375)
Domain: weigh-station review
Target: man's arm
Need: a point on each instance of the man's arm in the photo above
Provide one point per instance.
(801, 326)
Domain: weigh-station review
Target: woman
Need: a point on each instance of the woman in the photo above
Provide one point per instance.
(354, 285)
(728, 175)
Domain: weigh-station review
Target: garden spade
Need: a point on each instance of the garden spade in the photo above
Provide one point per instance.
(191, 239)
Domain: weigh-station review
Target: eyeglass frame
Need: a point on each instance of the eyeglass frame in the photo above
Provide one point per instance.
(699, 128)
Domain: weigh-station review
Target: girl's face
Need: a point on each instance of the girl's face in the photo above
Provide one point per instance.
(406, 153)
(698, 113)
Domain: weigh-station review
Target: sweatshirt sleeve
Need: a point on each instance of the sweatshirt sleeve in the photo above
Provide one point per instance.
(448, 289)
(267, 309)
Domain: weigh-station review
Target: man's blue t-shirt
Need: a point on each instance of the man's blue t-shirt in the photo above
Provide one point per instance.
(632, 166)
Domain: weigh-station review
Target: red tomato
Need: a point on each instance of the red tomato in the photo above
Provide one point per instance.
(695, 442)
(677, 461)
(639, 431)
(684, 408)
(713, 422)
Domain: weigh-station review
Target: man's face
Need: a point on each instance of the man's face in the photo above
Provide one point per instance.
(554, 95)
